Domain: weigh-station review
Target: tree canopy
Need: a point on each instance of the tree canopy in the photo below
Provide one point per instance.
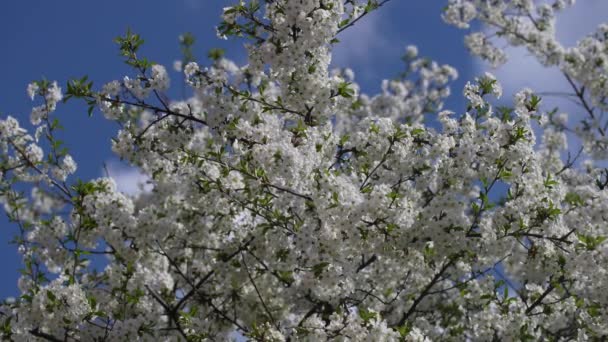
(287, 205)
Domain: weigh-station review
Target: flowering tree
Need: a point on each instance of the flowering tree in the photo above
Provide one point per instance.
(286, 205)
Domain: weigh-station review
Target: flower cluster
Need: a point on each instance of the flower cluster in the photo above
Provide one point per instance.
(531, 24)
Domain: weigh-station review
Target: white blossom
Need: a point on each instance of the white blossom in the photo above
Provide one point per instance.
(32, 90)
(282, 202)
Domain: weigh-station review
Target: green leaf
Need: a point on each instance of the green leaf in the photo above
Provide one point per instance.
(216, 54)
(504, 113)
(505, 174)
(51, 296)
(370, 6)
(367, 189)
(344, 90)
(573, 199)
(534, 102)
(343, 139)
(549, 182)
(319, 268)
(475, 208)
(405, 329)
(590, 242)
(373, 128)
(367, 315)
(393, 195)
(486, 85)
(417, 131)
(286, 276)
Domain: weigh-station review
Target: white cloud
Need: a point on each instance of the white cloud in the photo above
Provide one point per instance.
(193, 4)
(129, 180)
(363, 43)
(522, 70)
(357, 41)
(581, 19)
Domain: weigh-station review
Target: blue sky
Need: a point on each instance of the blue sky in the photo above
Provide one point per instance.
(60, 40)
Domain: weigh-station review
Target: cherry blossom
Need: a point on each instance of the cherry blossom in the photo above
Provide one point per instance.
(285, 204)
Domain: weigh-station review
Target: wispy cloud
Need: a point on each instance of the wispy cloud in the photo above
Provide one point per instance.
(357, 41)
(523, 71)
(364, 43)
(129, 180)
(194, 4)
